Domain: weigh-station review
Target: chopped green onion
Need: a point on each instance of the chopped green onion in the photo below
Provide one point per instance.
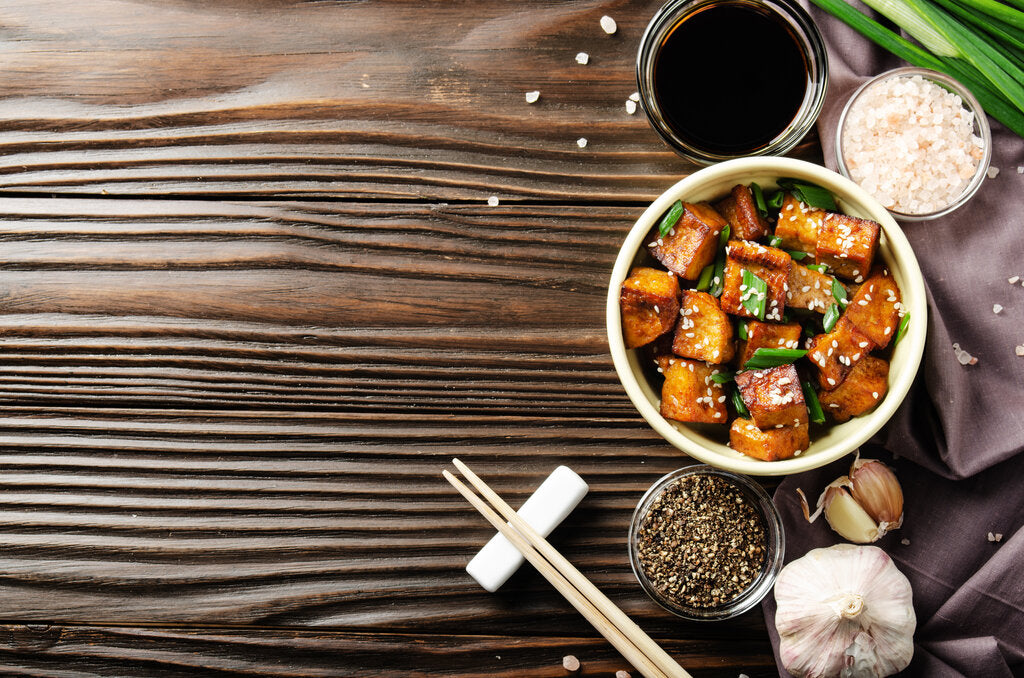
(737, 402)
(775, 241)
(812, 194)
(777, 199)
(718, 273)
(831, 316)
(723, 236)
(722, 377)
(764, 358)
(759, 199)
(742, 331)
(839, 293)
(820, 268)
(754, 296)
(813, 404)
(705, 277)
(797, 255)
(670, 218)
(902, 329)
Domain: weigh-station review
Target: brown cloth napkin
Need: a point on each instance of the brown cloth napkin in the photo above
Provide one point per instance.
(955, 442)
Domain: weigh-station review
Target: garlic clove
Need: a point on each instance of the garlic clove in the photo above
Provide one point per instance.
(876, 489)
(848, 518)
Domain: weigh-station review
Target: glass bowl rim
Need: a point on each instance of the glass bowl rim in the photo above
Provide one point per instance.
(775, 535)
(969, 102)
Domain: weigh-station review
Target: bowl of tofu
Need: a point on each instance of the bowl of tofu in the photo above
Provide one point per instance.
(766, 315)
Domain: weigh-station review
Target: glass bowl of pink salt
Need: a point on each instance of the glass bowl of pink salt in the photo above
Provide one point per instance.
(916, 140)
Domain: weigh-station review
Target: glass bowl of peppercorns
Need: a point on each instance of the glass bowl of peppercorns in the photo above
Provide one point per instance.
(706, 544)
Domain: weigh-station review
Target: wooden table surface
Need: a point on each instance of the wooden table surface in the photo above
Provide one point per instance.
(254, 300)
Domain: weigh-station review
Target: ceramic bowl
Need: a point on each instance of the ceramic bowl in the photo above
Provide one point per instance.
(707, 442)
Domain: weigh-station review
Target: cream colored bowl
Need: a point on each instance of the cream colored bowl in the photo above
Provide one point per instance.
(706, 442)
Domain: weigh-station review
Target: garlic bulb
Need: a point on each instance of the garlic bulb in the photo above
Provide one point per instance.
(844, 612)
(862, 506)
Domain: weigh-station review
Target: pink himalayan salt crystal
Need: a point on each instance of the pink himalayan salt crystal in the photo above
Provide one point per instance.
(911, 144)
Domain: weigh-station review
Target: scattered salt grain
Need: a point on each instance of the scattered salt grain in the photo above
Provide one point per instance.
(1019, 350)
(911, 144)
(963, 357)
(622, 674)
(996, 308)
(997, 537)
(635, 96)
(1013, 280)
(992, 172)
(608, 24)
(532, 97)
(905, 541)
(570, 663)
(630, 106)
(493, 201)
(1020, 169)
(582, 142)
(583, 58)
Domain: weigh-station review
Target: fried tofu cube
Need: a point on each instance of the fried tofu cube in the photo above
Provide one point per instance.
(767, 335)
(689, 394)
(768, 263)
(773, 396)
(847, 244)
(809, 289)
(649, 302)
(836, 353)
(798, 225)
(875, 308)
(862, 389)
(740, 210)
(768, 445)
(692, 242)
(704, 331)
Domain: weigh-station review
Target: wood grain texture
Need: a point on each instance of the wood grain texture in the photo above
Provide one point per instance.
(380, 100)
(86, 652)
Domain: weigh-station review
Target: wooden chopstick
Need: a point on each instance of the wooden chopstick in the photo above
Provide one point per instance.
(629, 639)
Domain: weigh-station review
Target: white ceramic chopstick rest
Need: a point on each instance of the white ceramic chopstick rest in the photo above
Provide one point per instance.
(548, 506)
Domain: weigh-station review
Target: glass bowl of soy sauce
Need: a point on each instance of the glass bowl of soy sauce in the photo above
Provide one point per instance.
(722, 79)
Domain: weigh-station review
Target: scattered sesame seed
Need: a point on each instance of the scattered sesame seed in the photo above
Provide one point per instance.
(608, 25)
(582, 143)
(582, 58)
(1013, 280)
(532, 97)
(635, 96)
(1019, 350)
(493, 201)
(831, 381)
(996, 308)
(630, 106)
(874, 394)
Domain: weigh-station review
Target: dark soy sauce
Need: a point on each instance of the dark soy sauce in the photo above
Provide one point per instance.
(730, 77)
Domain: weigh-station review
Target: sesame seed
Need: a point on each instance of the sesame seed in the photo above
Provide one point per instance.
(874, 394)
(1013, 280)
(630, 106)
(656, 309)
(493, 201)
(996, 308)
(532, 97)
(888, 330)
(608, 25)
(831, 381)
